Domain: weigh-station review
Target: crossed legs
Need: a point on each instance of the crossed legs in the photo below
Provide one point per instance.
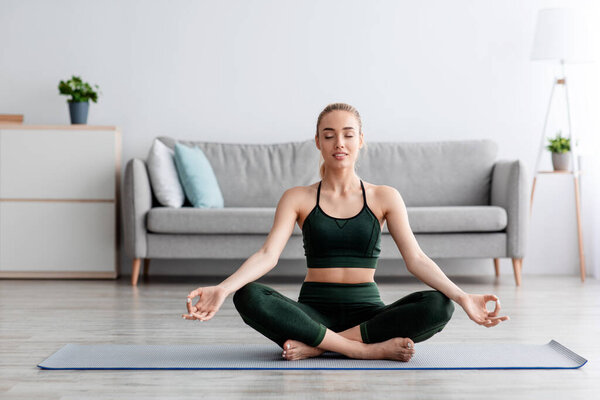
(381, 332)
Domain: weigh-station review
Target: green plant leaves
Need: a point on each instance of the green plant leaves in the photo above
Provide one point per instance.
(559, 144)
(78, 90)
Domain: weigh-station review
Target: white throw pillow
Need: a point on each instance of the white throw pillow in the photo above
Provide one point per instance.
(163, 175)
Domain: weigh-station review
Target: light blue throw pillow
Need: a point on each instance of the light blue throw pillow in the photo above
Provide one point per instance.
(197, 177)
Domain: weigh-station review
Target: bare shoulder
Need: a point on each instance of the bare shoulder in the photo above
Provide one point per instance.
(289, 210)
(388, 193)
(300, 192)
(382, 198)
(301, 199)
(299, 196)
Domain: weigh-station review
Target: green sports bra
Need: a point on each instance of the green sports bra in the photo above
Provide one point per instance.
(330, 242)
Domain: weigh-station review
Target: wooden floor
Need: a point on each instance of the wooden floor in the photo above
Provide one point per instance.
(38, 317)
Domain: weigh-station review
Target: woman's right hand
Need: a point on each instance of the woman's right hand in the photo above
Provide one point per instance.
(211, 299)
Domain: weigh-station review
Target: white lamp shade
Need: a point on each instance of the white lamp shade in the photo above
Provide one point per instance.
(562, 34)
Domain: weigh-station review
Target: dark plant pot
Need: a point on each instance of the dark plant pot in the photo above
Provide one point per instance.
(79, 112)
(560, 161)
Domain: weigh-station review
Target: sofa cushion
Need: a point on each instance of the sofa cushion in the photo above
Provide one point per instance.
(163, 175)
(229, 220)
(256, 175)
(457, 219)
(197, 177)
(258, 220)
(450, 173)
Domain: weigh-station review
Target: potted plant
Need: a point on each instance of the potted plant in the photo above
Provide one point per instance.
(81, 93)
(561, 152)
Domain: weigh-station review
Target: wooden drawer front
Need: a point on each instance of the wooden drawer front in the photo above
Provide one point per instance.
(56, 236)
(54, 164)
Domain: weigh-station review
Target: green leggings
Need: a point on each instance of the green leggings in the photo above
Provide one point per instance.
(340, 306)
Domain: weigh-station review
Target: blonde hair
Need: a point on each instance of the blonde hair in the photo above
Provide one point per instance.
(337, 107)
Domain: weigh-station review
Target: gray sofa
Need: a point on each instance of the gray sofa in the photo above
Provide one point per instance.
(461, 201)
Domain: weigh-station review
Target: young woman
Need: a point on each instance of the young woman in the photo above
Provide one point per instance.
(339, 308)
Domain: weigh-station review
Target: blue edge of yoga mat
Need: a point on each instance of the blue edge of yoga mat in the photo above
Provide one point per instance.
(270, 354)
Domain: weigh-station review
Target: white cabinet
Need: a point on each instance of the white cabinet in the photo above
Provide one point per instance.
(59, 201)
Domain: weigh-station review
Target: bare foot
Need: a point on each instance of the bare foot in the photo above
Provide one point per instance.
(399, 349)
(295, 350)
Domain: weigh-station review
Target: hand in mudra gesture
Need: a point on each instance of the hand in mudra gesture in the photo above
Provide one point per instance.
(211, 299)
(474, 306)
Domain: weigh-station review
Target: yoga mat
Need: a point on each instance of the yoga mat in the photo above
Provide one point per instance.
(552, 355)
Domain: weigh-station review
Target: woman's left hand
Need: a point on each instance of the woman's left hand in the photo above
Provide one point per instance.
(474, 306)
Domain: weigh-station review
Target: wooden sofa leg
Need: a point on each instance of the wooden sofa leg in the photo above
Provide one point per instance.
(497, 266)
(146, 266)
(517, 265)
(135, 271)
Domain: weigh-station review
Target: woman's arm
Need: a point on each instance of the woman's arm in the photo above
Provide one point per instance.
(416, 261)
(258, 264)
(267, 257)
(426, 270)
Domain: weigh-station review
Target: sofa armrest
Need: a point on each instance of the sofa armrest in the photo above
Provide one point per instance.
(137, 201)
(510, 190)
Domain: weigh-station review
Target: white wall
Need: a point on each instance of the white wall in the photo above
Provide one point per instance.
(261, 71)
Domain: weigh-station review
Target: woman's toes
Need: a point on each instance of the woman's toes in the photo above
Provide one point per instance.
(288, 344)
(294, 350)
(289, 349)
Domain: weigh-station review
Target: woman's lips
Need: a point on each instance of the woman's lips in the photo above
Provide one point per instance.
(340, 156)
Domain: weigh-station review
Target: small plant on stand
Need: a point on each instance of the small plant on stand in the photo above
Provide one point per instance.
(560, 147)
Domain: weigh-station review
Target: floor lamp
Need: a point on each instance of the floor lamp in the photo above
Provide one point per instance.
(561, 36)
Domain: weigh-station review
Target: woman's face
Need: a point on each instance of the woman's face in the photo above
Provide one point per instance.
(339, 139)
